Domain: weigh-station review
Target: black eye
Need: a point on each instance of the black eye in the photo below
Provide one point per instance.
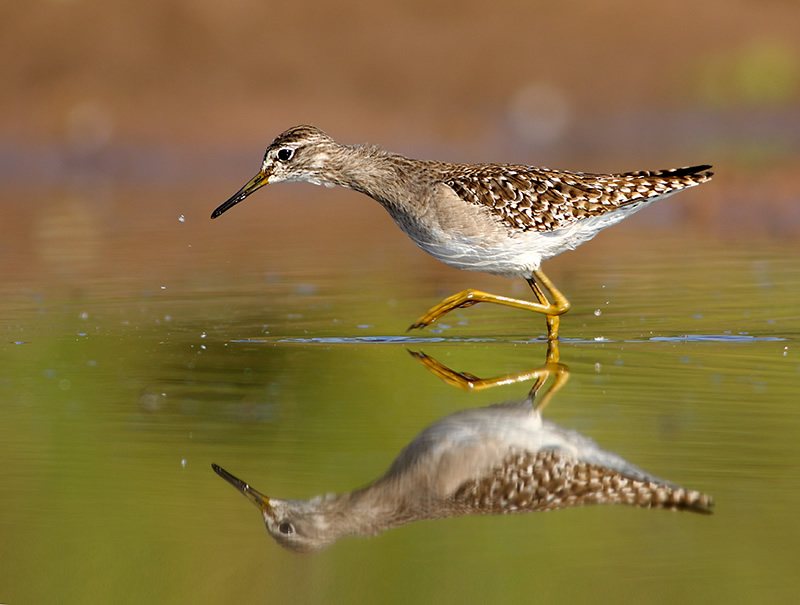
(286, 527)
(285, 154)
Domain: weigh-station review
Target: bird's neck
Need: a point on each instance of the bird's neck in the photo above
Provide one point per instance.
(384, 176)
(370, 511)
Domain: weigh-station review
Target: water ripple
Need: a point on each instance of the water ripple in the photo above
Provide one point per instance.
(716, 338)
(328, 340)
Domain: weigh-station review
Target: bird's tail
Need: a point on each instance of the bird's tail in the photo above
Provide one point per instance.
(688, 176)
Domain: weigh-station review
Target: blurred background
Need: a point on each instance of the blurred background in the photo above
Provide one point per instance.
(186, 92)
(177, 100)
(127, 312)
(533, 78)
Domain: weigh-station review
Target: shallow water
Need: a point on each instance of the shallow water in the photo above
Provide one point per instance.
(139, 349)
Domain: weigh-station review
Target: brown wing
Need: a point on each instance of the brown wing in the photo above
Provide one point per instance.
(528, 198)
(549, 480)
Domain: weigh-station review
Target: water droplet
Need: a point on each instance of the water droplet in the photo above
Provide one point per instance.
(182, 218)
(597, 312)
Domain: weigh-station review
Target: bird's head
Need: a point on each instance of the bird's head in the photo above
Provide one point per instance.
(294, 524)
(301, 153)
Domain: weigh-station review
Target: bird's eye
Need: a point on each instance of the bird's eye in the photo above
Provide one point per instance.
(285, 154)
(286, 527)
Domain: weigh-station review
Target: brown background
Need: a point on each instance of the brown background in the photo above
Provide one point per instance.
(118, 116)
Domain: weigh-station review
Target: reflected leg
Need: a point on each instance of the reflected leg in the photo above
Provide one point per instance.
(466, 381)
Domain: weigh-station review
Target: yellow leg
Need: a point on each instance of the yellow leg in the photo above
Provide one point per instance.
(467, 298)
(559, 306)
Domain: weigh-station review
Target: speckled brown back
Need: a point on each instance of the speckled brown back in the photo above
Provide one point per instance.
(527, 198)
(549, 480)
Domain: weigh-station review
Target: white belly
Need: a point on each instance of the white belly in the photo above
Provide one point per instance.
(514, 254)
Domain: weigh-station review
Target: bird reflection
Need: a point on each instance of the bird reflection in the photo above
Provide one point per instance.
(500, 459)
(470, 382)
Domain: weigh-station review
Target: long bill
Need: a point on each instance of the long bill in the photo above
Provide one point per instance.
(256, 497)
(257, 182)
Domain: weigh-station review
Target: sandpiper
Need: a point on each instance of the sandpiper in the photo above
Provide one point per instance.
(503, 219)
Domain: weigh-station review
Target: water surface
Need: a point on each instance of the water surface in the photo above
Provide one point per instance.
(283, 357)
